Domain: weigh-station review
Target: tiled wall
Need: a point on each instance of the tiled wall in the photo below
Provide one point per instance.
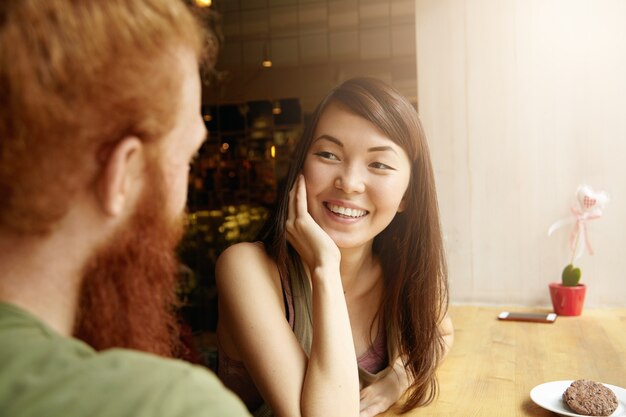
(313, 44)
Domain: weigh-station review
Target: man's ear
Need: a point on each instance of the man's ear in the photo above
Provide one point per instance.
(118, 180)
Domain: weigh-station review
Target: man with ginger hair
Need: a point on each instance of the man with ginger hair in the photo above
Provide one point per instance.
(99, 119)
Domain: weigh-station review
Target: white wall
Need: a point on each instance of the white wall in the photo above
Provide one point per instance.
(522, 100)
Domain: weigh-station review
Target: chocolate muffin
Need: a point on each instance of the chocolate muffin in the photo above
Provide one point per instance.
(590, 398)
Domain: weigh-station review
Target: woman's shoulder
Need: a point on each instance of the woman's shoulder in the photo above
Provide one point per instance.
(247, 261)
(249, 288)
(245, 255)
(251, 249)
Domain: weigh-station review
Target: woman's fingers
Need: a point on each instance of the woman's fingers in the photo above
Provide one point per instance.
(301, 204)
(291, 214)
(379, 396)
(298, 210)
(372, 405)
(295, 226)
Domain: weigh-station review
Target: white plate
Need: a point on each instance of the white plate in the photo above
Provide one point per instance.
(550, 397)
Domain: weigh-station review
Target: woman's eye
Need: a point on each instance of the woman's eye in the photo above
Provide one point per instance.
(327, 155)
(380, 165)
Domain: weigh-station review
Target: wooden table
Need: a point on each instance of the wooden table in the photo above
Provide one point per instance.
(494, 364)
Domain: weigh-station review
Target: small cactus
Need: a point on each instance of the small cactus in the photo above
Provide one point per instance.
(571, 276)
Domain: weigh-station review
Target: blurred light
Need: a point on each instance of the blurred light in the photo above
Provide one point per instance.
(276, 109)
(273, 151)
(224, 147)
(203, 3)
(207, 117)
(267, 61)
(243, 108)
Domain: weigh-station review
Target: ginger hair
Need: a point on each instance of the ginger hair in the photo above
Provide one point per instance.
(76, 77)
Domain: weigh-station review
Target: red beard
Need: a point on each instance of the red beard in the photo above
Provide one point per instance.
(128, 295)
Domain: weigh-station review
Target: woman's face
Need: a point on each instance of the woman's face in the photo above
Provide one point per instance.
(356, 177)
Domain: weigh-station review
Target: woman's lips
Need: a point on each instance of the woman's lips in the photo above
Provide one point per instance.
(346, 212)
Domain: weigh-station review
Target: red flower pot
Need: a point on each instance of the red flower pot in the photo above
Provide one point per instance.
(567, 301)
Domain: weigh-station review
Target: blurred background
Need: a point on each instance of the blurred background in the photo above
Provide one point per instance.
(521, 100)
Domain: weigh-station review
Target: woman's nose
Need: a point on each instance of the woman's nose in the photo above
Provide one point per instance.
(350, 181)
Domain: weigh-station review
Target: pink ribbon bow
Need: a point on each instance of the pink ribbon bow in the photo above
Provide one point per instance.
(590, 206)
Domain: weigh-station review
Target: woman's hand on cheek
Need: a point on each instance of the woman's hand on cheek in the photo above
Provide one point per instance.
(313, 244)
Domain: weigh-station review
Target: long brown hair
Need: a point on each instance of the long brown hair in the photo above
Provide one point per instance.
(410, 249)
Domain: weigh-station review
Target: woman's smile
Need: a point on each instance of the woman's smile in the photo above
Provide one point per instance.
(345, 212)
(355, 176)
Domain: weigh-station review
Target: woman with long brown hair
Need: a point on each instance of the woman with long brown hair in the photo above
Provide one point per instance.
(341, 309)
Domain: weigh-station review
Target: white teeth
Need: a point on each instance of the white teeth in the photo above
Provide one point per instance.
(348, 212)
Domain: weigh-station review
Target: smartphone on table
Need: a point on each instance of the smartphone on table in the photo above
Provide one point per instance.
(531, 317)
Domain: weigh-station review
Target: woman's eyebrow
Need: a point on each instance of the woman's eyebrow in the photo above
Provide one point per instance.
(339, 143)
(382, 148)
(330, 139)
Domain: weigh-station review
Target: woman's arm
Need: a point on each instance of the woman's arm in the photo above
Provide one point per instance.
(382, 394)
(253, 326)
(331, 384)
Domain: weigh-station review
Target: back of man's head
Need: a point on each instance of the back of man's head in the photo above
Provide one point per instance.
(75, 77)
